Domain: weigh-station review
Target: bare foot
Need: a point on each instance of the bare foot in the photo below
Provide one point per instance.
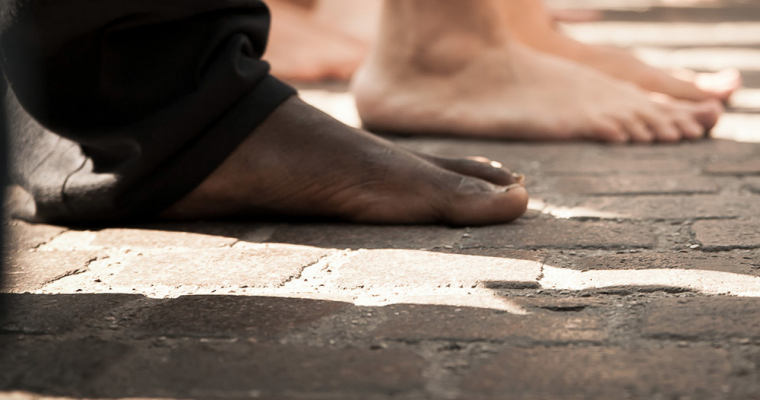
(303, 49)
(532, 24)
(457, 72)
(302, 162)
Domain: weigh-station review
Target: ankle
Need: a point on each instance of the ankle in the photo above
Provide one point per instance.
(438, 37)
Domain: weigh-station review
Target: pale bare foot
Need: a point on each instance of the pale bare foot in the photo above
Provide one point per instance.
(448, 67)
(532, 24)
(303, 49)
(301, 162)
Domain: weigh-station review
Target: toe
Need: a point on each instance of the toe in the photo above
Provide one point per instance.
(475, 204)
(478, 167)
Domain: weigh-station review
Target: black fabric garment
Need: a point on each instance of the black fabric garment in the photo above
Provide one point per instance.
(118, 108)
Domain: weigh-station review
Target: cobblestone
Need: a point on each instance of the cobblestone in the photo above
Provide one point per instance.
(721, 235)
(30, 271)
(271, 266)
(750, 167)
(637, 185)
(261, 318)
(422, 322)
(703, 318)
(603, 373)
(372, 269)
(562, 234)
(367, 237)
(59, 313)
(660, 207)
(22, 236)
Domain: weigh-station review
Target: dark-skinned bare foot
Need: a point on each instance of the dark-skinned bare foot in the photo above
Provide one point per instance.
(532, 24)
(301, 162)
(450, 67)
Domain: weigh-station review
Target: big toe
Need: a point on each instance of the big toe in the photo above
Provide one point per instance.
(721, 84)
(478, 204)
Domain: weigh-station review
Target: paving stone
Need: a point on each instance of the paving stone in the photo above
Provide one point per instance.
(603, 373)
(122, 237)
(612, 166)
(731, 234)
(432, 322)
(271, 266)
(740, 168)
(58, 313)
(422, 269)
(343, 236)
(22, 236)
(231, 316)
(736, 262)
(707, 318)
(96, 369)
(29, 271)
(658, 207)
(752, 184)
(637, 185)
(561, 234)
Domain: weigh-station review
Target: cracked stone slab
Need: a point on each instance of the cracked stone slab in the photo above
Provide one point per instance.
(563, 234)
(60, 313)
(347, 236)
(658, 207)
(92, 368)
(21, 236)
(29, 271)
(269, 266)
(217, 316)
(603, 373)
(420, 270)
(707, 318)
(724, 235)
(434, 322)
(636, 185)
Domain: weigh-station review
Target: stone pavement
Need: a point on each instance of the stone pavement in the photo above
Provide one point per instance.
(636, 274)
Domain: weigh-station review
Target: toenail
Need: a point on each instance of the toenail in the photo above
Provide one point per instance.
(520, 178)
(496, 164)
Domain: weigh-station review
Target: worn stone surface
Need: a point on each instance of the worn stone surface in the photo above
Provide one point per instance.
(21, 236)
(345, 236)
(230, 316)
(600, 373)
(273, 265)
(721, 235)
(703, 318)
(28, 271)
(561, 234)
(59, 313)
(425, 322)
(98, 369)
(371, 269)
(636, 185)
(660, 207)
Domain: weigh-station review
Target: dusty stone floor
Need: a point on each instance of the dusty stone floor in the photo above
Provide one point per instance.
(636, 274)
